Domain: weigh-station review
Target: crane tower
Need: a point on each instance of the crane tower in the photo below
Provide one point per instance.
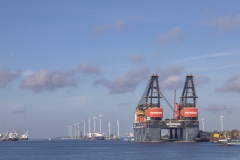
(149, 120)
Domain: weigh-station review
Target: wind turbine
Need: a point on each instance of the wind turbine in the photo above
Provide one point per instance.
(100, 119)
(94, 118)
(71, 134)
(89, 126)
(221, 120)
(202, 123)
(84, 126)
(78, 132)
(75, 129)
(118, 126)
(109, 129)
(69, 131)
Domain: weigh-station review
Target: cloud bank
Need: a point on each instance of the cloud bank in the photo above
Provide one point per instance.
(88, 69)
(169, 77)
(127, 82)
(7, 76)
(232, 85)
(172, 77)
(45, 80)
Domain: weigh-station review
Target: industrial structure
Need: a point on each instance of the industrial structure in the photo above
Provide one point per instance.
(183, 126)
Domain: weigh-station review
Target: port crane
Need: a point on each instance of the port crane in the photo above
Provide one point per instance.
(149, 122)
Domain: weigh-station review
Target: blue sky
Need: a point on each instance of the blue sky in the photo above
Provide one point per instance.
(64, 61)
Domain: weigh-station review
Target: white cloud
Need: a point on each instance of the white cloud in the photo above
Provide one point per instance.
(7, 76)
(175, 35)
(28, 72)
(43, 79)
(46, 80)
(127, 82)
(169, 77)
(232, 85)
(88, 69)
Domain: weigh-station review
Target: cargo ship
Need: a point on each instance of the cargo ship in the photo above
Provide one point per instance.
(98, 136)
(1, 137)
(182, 127)
(13, 136)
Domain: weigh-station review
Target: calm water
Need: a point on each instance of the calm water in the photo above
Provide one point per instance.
(111, 150)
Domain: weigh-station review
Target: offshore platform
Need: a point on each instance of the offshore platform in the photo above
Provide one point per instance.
(184, 125)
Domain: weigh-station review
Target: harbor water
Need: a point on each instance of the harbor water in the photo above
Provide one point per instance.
(114, 150)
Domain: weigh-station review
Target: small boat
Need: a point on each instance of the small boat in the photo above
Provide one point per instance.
(50, 139)
(128, 137)
(234, 142)
(223, 142)
(24, 136)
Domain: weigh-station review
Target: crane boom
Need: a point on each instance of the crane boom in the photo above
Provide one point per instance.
(166, 101)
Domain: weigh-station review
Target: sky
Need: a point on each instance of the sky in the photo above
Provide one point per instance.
(64, 61)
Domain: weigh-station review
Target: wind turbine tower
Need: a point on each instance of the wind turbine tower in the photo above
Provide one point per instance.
(109, 129)
(75, 129)
(118, 126)
(89, 126)
(202, 123)
(221, 120)
(100, 119)
(84, 126)
(78, 132)
(69, 131)
(94, 122)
